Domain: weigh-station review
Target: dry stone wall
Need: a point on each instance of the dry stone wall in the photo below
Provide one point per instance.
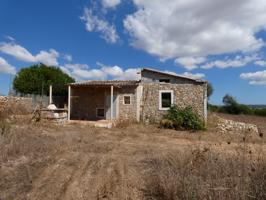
(225, 126)
(16, 102)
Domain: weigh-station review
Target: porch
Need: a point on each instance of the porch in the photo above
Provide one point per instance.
(96, 102)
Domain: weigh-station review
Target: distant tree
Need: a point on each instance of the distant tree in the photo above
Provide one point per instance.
(209, 90)
(233, 107)
(37, 78)
(229, 100)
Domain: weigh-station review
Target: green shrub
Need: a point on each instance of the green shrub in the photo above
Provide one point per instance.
(260, 111)
(177, 118)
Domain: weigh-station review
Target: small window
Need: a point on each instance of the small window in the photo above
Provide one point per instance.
(166, 99)
(127, 100)
(100, 112)
(164, 80)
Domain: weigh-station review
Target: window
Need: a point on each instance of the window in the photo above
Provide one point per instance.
(164, 80)
(127, 100)
(100, 112)
(165, 99)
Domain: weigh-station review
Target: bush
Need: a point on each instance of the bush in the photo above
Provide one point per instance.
(186, 118)
(260, 111)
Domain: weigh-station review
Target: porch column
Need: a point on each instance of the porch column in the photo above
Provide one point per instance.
(69, 102)
(112, 101)
(50, 94)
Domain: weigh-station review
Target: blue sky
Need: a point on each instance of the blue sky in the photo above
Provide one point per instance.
(221, 41)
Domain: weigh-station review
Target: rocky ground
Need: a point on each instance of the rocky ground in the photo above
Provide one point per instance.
(44, 161)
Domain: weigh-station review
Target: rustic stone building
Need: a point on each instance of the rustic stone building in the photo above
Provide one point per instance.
(145, 100)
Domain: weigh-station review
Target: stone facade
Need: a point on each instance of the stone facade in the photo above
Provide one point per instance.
(127, 112)
(183, 95)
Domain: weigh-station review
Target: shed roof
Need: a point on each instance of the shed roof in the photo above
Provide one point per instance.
(174, 75)
(117, 83)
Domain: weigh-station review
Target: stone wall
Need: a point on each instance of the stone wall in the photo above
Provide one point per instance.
(16, 103)
(227, 126)
(128, 112)
(184, 95)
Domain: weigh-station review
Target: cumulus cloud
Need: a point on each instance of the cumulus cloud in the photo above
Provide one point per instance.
(194, 75)
(22, 54)
(68, 57)
(255, 78)
(103, 72)
(261, 63)
(238, 61)
(6, 68)
(94, 23)
(185, 28)
(190, 63)
(110, 3)
(187, 74)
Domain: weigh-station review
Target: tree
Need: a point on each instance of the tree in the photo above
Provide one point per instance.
(229, 100)
(209, 90)
(231, 106)
(36, 79)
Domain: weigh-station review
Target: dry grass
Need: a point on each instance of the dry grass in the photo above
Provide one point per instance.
(43, 161)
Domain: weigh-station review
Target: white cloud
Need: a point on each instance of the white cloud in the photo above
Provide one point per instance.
(6, 68)
(261, 63)
(185, 28)
(114, 71)
(110, 3)
(82, 72)
(21, 53)
(68, 57)
(48, 57)
(255, 78)
(187, 74)
(190, 63)
(238, 61)
(93, 23)
(195, 76)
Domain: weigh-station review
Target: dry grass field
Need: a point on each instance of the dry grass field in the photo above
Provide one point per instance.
(42, 161)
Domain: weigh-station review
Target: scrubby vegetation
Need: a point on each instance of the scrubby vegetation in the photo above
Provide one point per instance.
(182, 119)
(44, 161)
(231, 106)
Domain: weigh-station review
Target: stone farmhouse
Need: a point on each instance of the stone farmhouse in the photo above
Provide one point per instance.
(146, 100)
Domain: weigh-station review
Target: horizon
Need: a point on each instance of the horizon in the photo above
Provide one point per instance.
(221, 42)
